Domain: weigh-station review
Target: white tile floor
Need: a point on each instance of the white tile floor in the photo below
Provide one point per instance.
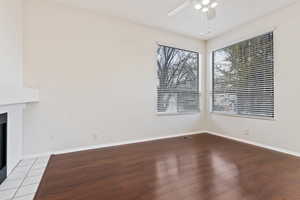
(23, 182)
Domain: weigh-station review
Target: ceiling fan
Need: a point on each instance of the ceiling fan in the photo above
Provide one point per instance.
(207, 7)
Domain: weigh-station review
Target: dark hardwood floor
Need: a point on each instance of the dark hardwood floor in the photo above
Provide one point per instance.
(200, 167)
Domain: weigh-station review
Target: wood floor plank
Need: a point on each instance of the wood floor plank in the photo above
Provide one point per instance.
(198, 167)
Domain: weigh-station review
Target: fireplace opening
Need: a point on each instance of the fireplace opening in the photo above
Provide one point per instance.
(3, 147)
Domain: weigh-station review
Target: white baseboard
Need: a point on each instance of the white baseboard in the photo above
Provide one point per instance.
(110, 145)
(278, 149)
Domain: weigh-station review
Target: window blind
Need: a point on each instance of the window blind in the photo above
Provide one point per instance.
(243, 78)
(178, 80)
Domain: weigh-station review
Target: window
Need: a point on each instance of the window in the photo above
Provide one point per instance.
(178, 80)
(243, 79)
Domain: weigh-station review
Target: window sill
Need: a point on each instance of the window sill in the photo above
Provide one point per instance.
(177, 114)
(242, 116)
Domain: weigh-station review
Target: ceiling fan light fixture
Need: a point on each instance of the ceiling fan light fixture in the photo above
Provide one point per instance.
(205, 9)
(197, 6)
(214, 4)
(205, 2)
(205, 6)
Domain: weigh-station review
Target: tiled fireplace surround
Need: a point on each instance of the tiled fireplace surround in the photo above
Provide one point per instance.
(23, 181)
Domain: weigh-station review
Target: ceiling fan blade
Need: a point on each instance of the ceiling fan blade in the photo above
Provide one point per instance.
(211, 14)
(179, 8)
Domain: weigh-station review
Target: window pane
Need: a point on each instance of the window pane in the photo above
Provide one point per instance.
(178, 80)
(243, 82)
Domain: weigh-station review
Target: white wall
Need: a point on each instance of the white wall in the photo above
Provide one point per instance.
(10, 43)
(283, 132)
(97, 79)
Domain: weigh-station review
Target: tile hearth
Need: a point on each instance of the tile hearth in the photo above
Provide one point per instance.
(23, 182)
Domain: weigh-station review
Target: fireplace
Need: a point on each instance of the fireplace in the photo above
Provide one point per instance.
(3, 147)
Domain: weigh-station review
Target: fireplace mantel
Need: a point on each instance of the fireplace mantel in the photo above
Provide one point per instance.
(9, 96)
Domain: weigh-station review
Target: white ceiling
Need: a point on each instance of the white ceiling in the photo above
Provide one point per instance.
(230, 13)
